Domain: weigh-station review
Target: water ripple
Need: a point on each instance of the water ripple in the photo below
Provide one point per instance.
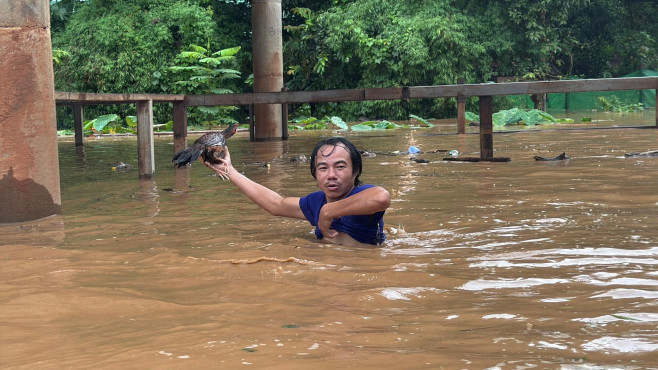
(622, 345)
(482, 284)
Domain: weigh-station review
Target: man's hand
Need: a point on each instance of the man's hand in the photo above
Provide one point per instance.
(366, 202)
(223, 169)
(324, 222)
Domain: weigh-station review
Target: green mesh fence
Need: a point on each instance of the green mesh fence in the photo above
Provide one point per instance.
(590, 100)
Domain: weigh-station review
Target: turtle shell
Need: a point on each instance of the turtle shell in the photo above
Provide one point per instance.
(213, 144)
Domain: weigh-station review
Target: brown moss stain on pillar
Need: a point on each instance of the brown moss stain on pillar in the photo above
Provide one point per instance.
(29, 167)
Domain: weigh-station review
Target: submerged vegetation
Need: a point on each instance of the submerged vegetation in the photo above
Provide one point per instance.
(112, 124)
(614, 104)
(516, 116)
(312, 123)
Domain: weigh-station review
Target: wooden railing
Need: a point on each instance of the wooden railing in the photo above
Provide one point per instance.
(484, 92)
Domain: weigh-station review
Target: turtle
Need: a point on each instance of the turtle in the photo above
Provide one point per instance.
(211, 147)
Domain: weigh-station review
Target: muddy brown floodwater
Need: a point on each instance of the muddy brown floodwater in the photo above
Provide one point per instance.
(512, 265)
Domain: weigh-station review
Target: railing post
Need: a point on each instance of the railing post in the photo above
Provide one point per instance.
(461, 110)
(284, 118)
(486, 127)
(180, 126)
(78, 123)
(252, 124)
(145, 156)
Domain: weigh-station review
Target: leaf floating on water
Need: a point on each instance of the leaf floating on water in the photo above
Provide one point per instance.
(290, 326)
(249, 349)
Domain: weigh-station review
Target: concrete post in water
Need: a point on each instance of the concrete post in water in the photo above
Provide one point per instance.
(145, 155)
(284, 119)
(252, 124)
(486, 127)
(268, 65)
(78, 124)
(180, 126)
(29, 166)
(461, 110)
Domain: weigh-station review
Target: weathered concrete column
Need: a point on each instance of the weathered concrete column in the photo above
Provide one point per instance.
(29, 167)
(268, 65)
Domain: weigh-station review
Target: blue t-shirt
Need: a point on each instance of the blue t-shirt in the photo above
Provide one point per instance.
(367, 229)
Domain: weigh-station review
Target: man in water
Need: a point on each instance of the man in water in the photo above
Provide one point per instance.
(343, 211)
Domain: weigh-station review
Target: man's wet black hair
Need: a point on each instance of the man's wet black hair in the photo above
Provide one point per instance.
(355, 156)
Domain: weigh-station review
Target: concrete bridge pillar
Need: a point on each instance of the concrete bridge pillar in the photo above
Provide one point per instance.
(268, 65)
(29, 167)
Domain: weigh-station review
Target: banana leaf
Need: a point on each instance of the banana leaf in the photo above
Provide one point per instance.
(99, 123)
(420, 119)
(375, 125)
(339, 122)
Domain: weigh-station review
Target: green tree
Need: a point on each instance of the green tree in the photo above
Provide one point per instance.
(233, 20)
(548, 39)
(531, 37)
(201, 71)
(61, 12)
(117, 46)
(595, 28)
(122, 46)
(635, 45)
(377, 43)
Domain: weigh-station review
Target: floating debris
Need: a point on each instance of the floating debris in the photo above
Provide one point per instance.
(299, 158)
(651, 153)
(560, 157)
(121, 167)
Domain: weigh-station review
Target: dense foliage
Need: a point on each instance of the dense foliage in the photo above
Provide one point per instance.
(127, 46)
(117, 46)
(201, 71)
(384, 44)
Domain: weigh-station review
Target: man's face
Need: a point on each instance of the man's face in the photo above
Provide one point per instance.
(333, 172)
